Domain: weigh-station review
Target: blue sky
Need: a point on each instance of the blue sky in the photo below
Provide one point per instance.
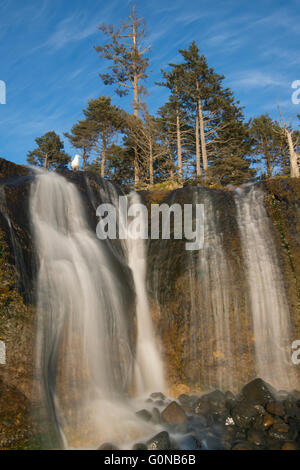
(51, 69)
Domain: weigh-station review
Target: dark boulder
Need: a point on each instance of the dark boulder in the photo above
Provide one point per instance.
(244, 445)
(258, 392)
(244, 414)
(139, 446)
(256, 437)
(160, 441)
(157, 396)
(190, 442)
(275, 408)
(145, 415)
(202, 407)
(174, 414)
(156, 417)
(108, 446)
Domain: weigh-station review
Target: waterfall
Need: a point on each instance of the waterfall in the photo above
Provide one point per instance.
(148, 366)
(267, 298)
(85, 361)
(215, 305)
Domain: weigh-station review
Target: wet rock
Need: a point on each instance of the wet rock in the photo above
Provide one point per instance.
(190, 442)
(273, 444)
(156, 417)
(275, 408)
(202, 407)
(145, 415)
(268, 421)
(277, 435)
(260, 410)
(241, 435)
(281, 427)
(174, 414)
(157, 396)
(211, 442)
(160, 441)
(292, 411)
(228, 421)
(294, 424)
(197, 422)
(108, 446)
(139, 446)
(244, 445)
(188, 402)
(159, 403)
(290, 446)
(244, 414)
(256, 437)
(216, 399)
(258, 392)
(229, 396)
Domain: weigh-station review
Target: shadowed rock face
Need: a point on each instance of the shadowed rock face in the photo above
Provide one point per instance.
(189, 300)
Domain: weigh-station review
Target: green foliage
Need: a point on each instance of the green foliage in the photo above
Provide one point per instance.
(83, 136)
(127, 54)
(269, 144)
(49, 153)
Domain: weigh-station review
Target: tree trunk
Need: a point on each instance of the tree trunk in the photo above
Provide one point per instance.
(179, 151)
(294, 167)
(46, 162)
(84, 159)
(198, 157)
(103, 159)
(202, 134)
(151, 163)
(135, 104)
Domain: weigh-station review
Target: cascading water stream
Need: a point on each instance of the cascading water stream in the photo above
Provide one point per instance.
(268, 304)
(84, 352)
(215, 303)
(149, 376)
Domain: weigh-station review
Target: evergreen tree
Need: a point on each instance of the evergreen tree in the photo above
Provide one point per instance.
(49, 153)
(83, 137)
(270, 149)
(216, 121)
(127, 52)
(104, 121)
(172, 113)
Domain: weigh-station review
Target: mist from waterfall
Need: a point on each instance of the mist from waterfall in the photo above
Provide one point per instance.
(85, 362)
(267, 298)
(148, 369)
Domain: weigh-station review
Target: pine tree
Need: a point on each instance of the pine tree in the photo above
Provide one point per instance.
(174, 116)
(127, 53)
(49, 153)
(270, 149)
(83, 137)
(104, 121)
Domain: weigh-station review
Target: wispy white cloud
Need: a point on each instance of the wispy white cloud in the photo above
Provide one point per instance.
(257, 79)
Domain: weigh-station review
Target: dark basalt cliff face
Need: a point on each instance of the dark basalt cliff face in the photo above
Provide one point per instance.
(183, 300)
(182, 320)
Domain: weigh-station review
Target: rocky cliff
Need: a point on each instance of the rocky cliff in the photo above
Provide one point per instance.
(182, 300)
